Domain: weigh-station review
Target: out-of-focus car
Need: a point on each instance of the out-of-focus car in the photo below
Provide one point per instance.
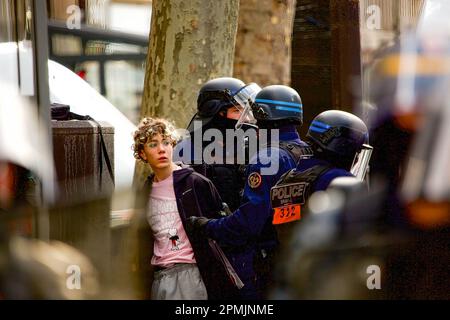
(68, 88)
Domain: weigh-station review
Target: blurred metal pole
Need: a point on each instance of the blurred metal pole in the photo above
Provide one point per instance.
(43, 96)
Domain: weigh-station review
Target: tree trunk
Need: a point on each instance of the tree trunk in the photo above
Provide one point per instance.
(263, 44)
(191, 42)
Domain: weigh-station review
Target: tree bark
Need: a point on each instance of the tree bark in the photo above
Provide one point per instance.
(191, 42)
(263, 44)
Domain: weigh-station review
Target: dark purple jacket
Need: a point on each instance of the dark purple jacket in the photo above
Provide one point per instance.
(196, 196)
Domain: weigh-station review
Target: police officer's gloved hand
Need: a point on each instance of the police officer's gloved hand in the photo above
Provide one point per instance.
(197, 226)
(225, 211)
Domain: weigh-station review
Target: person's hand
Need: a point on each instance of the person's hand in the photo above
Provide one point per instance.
(225, 210)
(197, 226)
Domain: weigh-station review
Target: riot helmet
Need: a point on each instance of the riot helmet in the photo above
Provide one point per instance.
(219, 95)
(275, 106)
(337, 135)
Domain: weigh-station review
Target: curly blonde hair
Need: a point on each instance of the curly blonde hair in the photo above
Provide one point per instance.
(147, 129)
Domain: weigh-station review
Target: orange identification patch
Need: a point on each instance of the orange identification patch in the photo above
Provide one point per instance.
(287, 214)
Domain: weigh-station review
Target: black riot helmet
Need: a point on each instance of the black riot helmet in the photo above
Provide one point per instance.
(216, 95)
(337, 135)
(277, 104)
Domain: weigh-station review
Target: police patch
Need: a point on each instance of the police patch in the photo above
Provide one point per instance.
(291, 193)
(254, 180)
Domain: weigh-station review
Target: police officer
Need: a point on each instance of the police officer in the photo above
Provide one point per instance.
(335, 137)
(220, 103)
(278, 110)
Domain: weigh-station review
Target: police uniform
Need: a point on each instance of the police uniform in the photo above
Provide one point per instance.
(248, 233)
(214, 98)
(336, 137)
(249, 229)
(244, 224)
(290, 194)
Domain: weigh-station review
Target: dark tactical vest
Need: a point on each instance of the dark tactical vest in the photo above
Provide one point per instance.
(268, 240)
(229, 180)
(289, 196)
(296, 152)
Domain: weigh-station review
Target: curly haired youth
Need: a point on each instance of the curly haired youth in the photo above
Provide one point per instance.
(147, 129)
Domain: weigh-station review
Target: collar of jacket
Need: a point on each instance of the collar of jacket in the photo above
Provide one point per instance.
(289, 133)
(178, 175)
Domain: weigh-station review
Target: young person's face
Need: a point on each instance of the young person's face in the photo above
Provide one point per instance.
(233, 113)
(158, 152)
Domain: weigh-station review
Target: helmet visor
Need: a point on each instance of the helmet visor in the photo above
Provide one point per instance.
(360, 164)
(245, 97)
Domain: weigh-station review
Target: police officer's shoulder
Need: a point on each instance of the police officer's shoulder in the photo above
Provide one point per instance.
(336, 176)
(341, 173)
(268, 154)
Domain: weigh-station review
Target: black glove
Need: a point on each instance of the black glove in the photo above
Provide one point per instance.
(196, 226)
